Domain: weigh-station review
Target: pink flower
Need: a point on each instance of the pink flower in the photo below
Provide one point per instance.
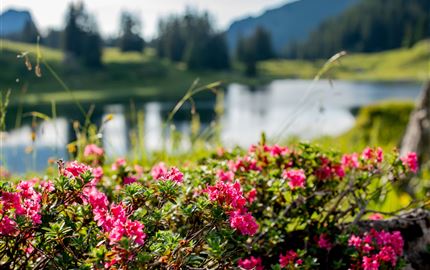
(376, 216)
(289, 259)
(324, 242)
(8, 226)
(277, 150)
(370, 263)
(379, 154)
(253, 148)
(372, 155)
(119, 163)
(12, 200)
(387, 254)
(93, 150)
(139, 170)
(75, 169)
(354, 241)
(114, 219)
(225, 176)
(96, 198)
(297, 178)
(174, 175)
(158, 171)
(251, 263)
(230, 195)
(339, 171)
(227, 193)
(47, 186)
(244, 222)
(367, 153)
(134, 230)
(25, 202)
(129, 180)
(350, 161)
(252, 195)
(244, 164)
(397, 242)
(379, 248)
(410, 161)
(98, 175)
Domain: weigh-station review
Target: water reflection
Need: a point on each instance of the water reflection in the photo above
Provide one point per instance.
(19, 153)
(115, 131)
(281, 109)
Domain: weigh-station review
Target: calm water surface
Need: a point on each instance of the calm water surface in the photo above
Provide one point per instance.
(281, 109)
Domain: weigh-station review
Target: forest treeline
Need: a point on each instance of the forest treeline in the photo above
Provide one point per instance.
(370, 26)
(193, 38)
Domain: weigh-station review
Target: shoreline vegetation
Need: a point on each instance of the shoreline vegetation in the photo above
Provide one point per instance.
(145, 77)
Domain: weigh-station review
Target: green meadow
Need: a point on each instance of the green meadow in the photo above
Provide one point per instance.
(144, 76)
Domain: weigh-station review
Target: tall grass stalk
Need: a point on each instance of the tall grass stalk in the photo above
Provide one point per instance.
(4, 102)
(328, 65)
(189, 94)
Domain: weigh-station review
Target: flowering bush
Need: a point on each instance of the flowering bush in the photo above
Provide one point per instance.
(269, 207)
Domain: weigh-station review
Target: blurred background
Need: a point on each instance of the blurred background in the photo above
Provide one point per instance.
(123, 65)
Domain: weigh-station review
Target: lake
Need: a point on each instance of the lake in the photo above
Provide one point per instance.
(281, 109)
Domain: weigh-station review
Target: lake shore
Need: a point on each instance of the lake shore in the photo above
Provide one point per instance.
(128, 76)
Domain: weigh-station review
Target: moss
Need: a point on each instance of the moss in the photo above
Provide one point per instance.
(380, 124)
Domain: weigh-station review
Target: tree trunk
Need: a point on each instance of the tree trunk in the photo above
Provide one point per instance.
(417, 134)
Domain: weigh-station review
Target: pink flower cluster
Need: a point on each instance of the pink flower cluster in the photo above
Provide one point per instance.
(113, 219)
(227, 176)
(350, 161)
(160, 172)
(98, 175)
(230, 195)
(373, 154)
(377, 248)
(74, 169)
(324, 242)
(244, 164)
(93, 150)
(244, 222)
(291, 258)
(328, 169)
(410, 161)
(297, 178)
(25, 203)
(274, 151)
(118, 164)
(251, 263)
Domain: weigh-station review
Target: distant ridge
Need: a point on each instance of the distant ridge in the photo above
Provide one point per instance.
(13, 22)
(292, 22)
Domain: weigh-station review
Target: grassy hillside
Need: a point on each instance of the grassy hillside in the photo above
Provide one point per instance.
(124, 75)
(143, 76)
(395, 65)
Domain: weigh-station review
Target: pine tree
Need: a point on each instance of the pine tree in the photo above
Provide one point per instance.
(81, 39)
(129, 38)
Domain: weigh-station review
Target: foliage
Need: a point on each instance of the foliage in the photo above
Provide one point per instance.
(191, 38)
(53, 38)
(81, 39)
(268, 206)
(370, 26)
(257, 47)
(130, 38)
